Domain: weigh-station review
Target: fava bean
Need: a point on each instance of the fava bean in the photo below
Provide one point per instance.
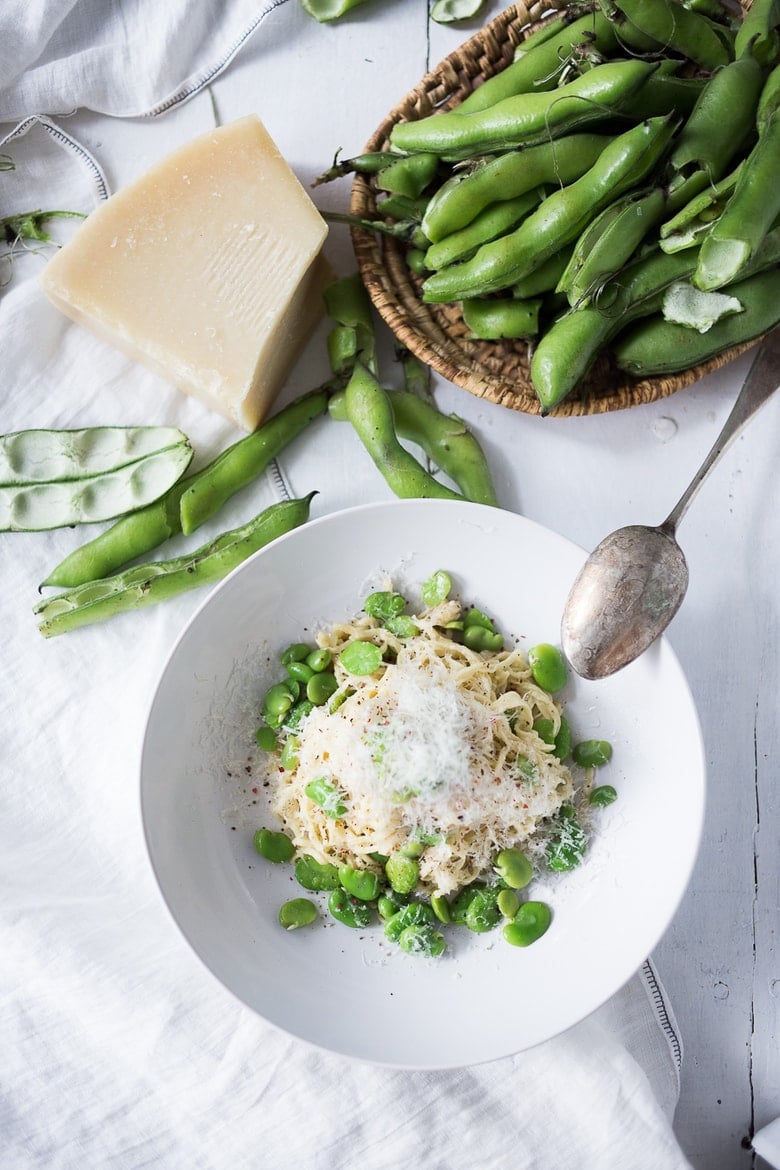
(288, 757)
(462, 900)
(567, 843)
(414, 914)
(677, 28)
(602, 796)
(748, 216)
(547, 667)
(320, 687)
(403, 873)
(274, 846)
(436, 589)
(441, 907)
(592, 753)
(319, 659)
(327, 796)
(349, 910)
(482, 912)
(508, 903)
(514, 868)
(296, 652)
(300, 671)
(265, 737)
(422, 940)
(316, 875)
(529, 924)
(54, 479)
(361, 658)
(360, 883)
(297, 912)
(496, 220)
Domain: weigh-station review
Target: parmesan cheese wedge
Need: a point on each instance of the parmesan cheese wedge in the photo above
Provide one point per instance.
(207, 270)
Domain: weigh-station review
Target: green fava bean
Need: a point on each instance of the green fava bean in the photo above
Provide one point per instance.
(274, 846)
(508, 903)
(441, 908)
(319, 660)
(568, 843)
(514, 868)
(296, 652)
(415, 914)
(592, 753)
(422, 940)
(436, 588)
(320, 687)
(351, 911)
(278, 699)
(384, 604)
(316, 875)
(462, 901)
(326, 795)
(288, 756)
(403, 873)
(265, 738)
(300, 672)
(547, 667)
(529, 924)
(544, 728)
(363, 884)
(386, 907)
(482, 913)
(602, 796)
(562, 749)
(297, 912)
(361, 658)
(402, 626)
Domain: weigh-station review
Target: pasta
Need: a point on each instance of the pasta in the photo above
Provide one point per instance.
(437, 746)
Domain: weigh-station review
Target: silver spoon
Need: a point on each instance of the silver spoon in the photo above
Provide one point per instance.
(633, 582)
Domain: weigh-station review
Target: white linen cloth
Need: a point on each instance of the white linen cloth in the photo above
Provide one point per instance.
(119, 1050)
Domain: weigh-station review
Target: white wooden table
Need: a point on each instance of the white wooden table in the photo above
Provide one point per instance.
(321, 88)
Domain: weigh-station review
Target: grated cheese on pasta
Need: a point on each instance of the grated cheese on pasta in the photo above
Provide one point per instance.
(439, 742)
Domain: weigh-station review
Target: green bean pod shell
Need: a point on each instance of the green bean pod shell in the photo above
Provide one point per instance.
(157, 581)
(466, 194)
(527, 118)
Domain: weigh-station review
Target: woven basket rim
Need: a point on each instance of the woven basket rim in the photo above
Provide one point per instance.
(436, 334)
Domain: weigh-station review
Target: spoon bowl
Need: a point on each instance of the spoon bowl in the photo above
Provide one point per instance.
(626, 593)
(633, 582)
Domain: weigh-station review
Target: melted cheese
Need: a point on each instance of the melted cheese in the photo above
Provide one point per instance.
(207, 270)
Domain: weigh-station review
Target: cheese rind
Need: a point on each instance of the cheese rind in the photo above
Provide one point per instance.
(203, 270)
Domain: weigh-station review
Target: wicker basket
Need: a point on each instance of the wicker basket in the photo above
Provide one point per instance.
(494, 370)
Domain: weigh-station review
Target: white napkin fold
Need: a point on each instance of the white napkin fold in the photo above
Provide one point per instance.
(127, 58)
(119, 1049)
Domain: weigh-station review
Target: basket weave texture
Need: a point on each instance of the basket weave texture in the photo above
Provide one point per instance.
(436, 333)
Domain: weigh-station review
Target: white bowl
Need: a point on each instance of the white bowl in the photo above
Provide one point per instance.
(349, 991)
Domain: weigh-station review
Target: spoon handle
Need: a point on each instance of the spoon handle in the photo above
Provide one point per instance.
(762, 380)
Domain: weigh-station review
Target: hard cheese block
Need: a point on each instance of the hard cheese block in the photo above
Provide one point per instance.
(207, 269)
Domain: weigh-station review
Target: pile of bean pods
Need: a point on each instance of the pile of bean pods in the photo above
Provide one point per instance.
(614, 186)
